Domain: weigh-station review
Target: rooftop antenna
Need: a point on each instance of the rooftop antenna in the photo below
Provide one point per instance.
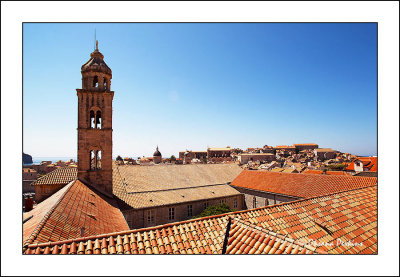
(95, 36)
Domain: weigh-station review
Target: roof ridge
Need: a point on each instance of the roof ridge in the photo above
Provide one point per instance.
(35, 232)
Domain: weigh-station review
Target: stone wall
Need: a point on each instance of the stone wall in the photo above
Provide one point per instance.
(139, 218)
(262, 198)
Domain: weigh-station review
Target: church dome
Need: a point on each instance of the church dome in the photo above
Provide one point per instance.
(96, 63)
(157, 153)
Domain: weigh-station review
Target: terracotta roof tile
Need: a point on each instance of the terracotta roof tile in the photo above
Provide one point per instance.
(59, 176)
(299, 185)
(278, 229)
(76, 206)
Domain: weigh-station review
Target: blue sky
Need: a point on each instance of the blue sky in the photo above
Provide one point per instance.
(189, 86)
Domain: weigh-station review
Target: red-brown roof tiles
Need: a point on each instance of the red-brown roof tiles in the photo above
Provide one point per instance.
(299, 185)
(61, 175)
(340, 223)
(78, 207)
(349, 216)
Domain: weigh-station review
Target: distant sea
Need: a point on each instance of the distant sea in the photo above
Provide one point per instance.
(38, 160)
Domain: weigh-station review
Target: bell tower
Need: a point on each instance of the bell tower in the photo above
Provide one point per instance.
(95, 124)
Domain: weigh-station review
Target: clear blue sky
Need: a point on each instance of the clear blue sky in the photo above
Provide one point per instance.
(189, 86)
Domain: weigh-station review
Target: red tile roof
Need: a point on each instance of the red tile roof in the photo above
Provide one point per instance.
(299, 185)
(337, 219)
(327, 172)
(59, 176)
(278, 229)
(371, 163)
(77, 206)
(245, 238)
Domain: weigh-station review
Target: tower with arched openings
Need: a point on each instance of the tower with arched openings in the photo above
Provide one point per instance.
(95, 123)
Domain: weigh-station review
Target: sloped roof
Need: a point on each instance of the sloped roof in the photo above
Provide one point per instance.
(346, 217)
(150, 186)
(245, 238)
(59, 176)
(368, 162)
(299, 185)
(327, 172)
(62, 216)
(278, 229)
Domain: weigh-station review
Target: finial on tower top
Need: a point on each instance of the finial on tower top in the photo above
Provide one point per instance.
(97, 45)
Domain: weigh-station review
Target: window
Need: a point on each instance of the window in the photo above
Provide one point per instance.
(98, 120)
(95, 159)
(150, 216)
(95, 82)
(254, 202)
(92, 120)
(266, 202)
(92, 160)
(190, 210)
(222, 201)
(95, 120)
(105, 83)
(98, 159)
(206, 204)
(171, 213)
(235, 202)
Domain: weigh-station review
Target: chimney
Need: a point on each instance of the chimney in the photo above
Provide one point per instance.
(28, 204)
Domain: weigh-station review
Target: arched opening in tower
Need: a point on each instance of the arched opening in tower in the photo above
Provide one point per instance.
(95, 82)
(105, 83)
(98, 159)
(92, 120)
(99, 120)
(92, 160)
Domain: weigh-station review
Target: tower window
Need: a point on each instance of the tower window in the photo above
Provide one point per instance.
(92, 160)
(95, 82)
(95, 159)
(92, 120)
(105, 83)
(98, 159)
(98, 120)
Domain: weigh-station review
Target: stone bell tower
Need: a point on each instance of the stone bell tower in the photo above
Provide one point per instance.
(95, 124)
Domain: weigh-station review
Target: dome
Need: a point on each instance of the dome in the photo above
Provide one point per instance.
(96, 63)
(157, 153)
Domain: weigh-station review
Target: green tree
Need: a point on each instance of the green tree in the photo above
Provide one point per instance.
(214, 210)
(119, 158)
(173, 158)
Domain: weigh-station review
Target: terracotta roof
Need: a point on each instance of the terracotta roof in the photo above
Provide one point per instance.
(325, 150)
(346, 217)
(220, 149)
(327, 172)
(284, 146)
(278, 229)
(143, 187)
(59, 176)
(371, 163)
(245, 238)
(75, 206)
(305, 144)
(201, 236)
(299, 185)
